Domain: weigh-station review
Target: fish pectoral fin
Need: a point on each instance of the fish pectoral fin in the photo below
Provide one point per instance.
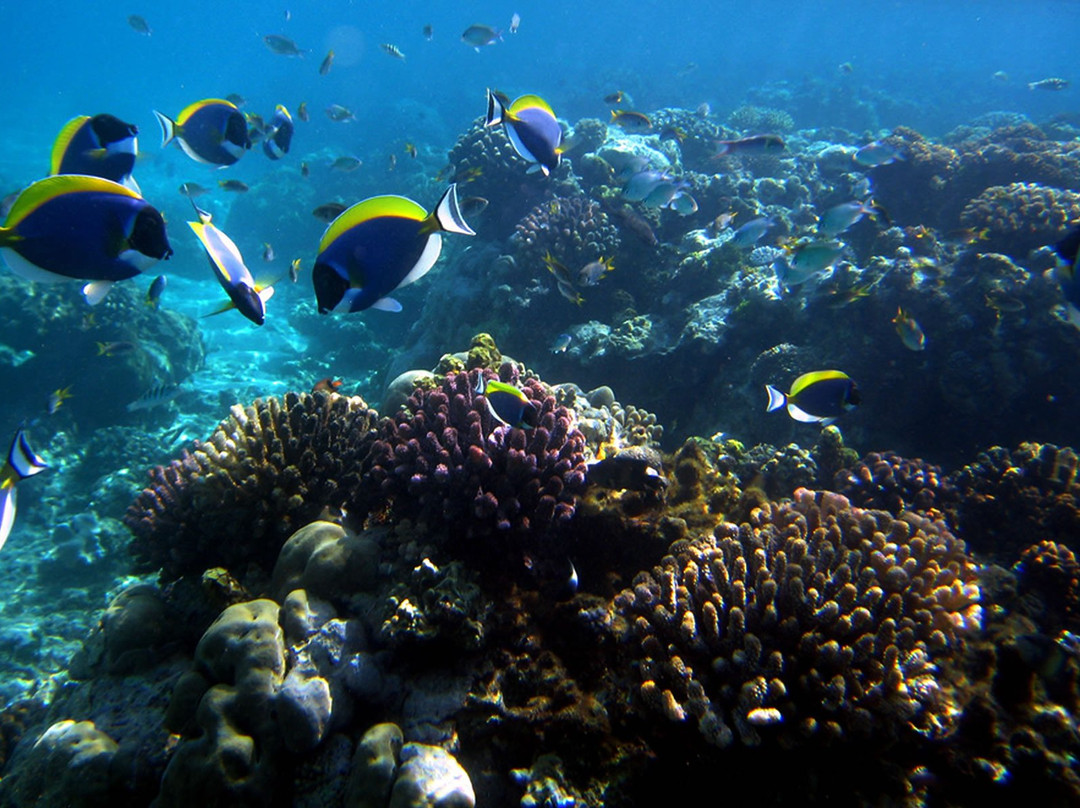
(265, 292)
(386, 304)
(224, 307)
(95, 291)
(536, 167)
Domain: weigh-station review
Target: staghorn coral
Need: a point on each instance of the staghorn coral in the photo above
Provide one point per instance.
(573, 229)
(1021, 216)
(1010, 500)
(814, 619)
(446, 460)
(889, 482)
(267, 469)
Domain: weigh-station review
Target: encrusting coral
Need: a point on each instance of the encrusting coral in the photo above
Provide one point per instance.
(813, 619)
(265, 471)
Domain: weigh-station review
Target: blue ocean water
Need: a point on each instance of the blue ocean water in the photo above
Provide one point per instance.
(864, 68)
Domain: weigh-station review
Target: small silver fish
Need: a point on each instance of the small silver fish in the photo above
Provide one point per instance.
(156, 396)
(346, 163)
(877, 154)
(139, 25)
(1053, 84)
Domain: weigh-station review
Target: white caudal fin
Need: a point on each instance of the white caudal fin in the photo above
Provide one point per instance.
(168, 128)
(496, 112)
(776, 398)
(448, 214)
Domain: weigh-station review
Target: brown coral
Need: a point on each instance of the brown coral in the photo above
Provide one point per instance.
(812, 619)
(1021, 216)
(267, 469)
(1014, 499)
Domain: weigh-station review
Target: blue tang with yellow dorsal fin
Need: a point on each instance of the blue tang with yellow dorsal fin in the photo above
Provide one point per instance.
(821, 396)
(77, 227)
(211, 131)
(378, 245)
(100, 145)
(532, 128)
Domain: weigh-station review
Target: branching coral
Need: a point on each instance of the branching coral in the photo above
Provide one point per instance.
(447, 460)
(267, 469)
(1021, 216)
(812, 619)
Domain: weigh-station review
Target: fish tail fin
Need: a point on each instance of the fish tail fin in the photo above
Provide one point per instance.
(722, 148)
(1032, 85)
(776, 398)
(448, 214)
(496, 112)
(169, 129)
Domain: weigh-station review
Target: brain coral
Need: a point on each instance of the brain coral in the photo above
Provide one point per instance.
(446, 459)
(814, 619)
(267, 469)
(1021, 216)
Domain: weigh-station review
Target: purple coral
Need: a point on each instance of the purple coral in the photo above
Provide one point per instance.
(446, 460)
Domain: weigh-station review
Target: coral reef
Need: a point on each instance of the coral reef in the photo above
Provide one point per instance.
(1011, 500)
(107, 355)
(1021, 216)
(573, 230)
(1050, 573)
(886, 481)
(446, 460)
(758, 120)
(812, 619)
(269, 468)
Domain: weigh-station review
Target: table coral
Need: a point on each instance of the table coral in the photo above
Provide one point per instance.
(267, 469)
(812, 619)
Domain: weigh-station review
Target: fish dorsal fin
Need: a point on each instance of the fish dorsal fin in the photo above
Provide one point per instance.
(814, 377)
(386, 304)
(191, 109)
(448, 214)
(224, 255)
(376, 206)
(49, 188)
(63, 141)
(95, 291)
(530, 102)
